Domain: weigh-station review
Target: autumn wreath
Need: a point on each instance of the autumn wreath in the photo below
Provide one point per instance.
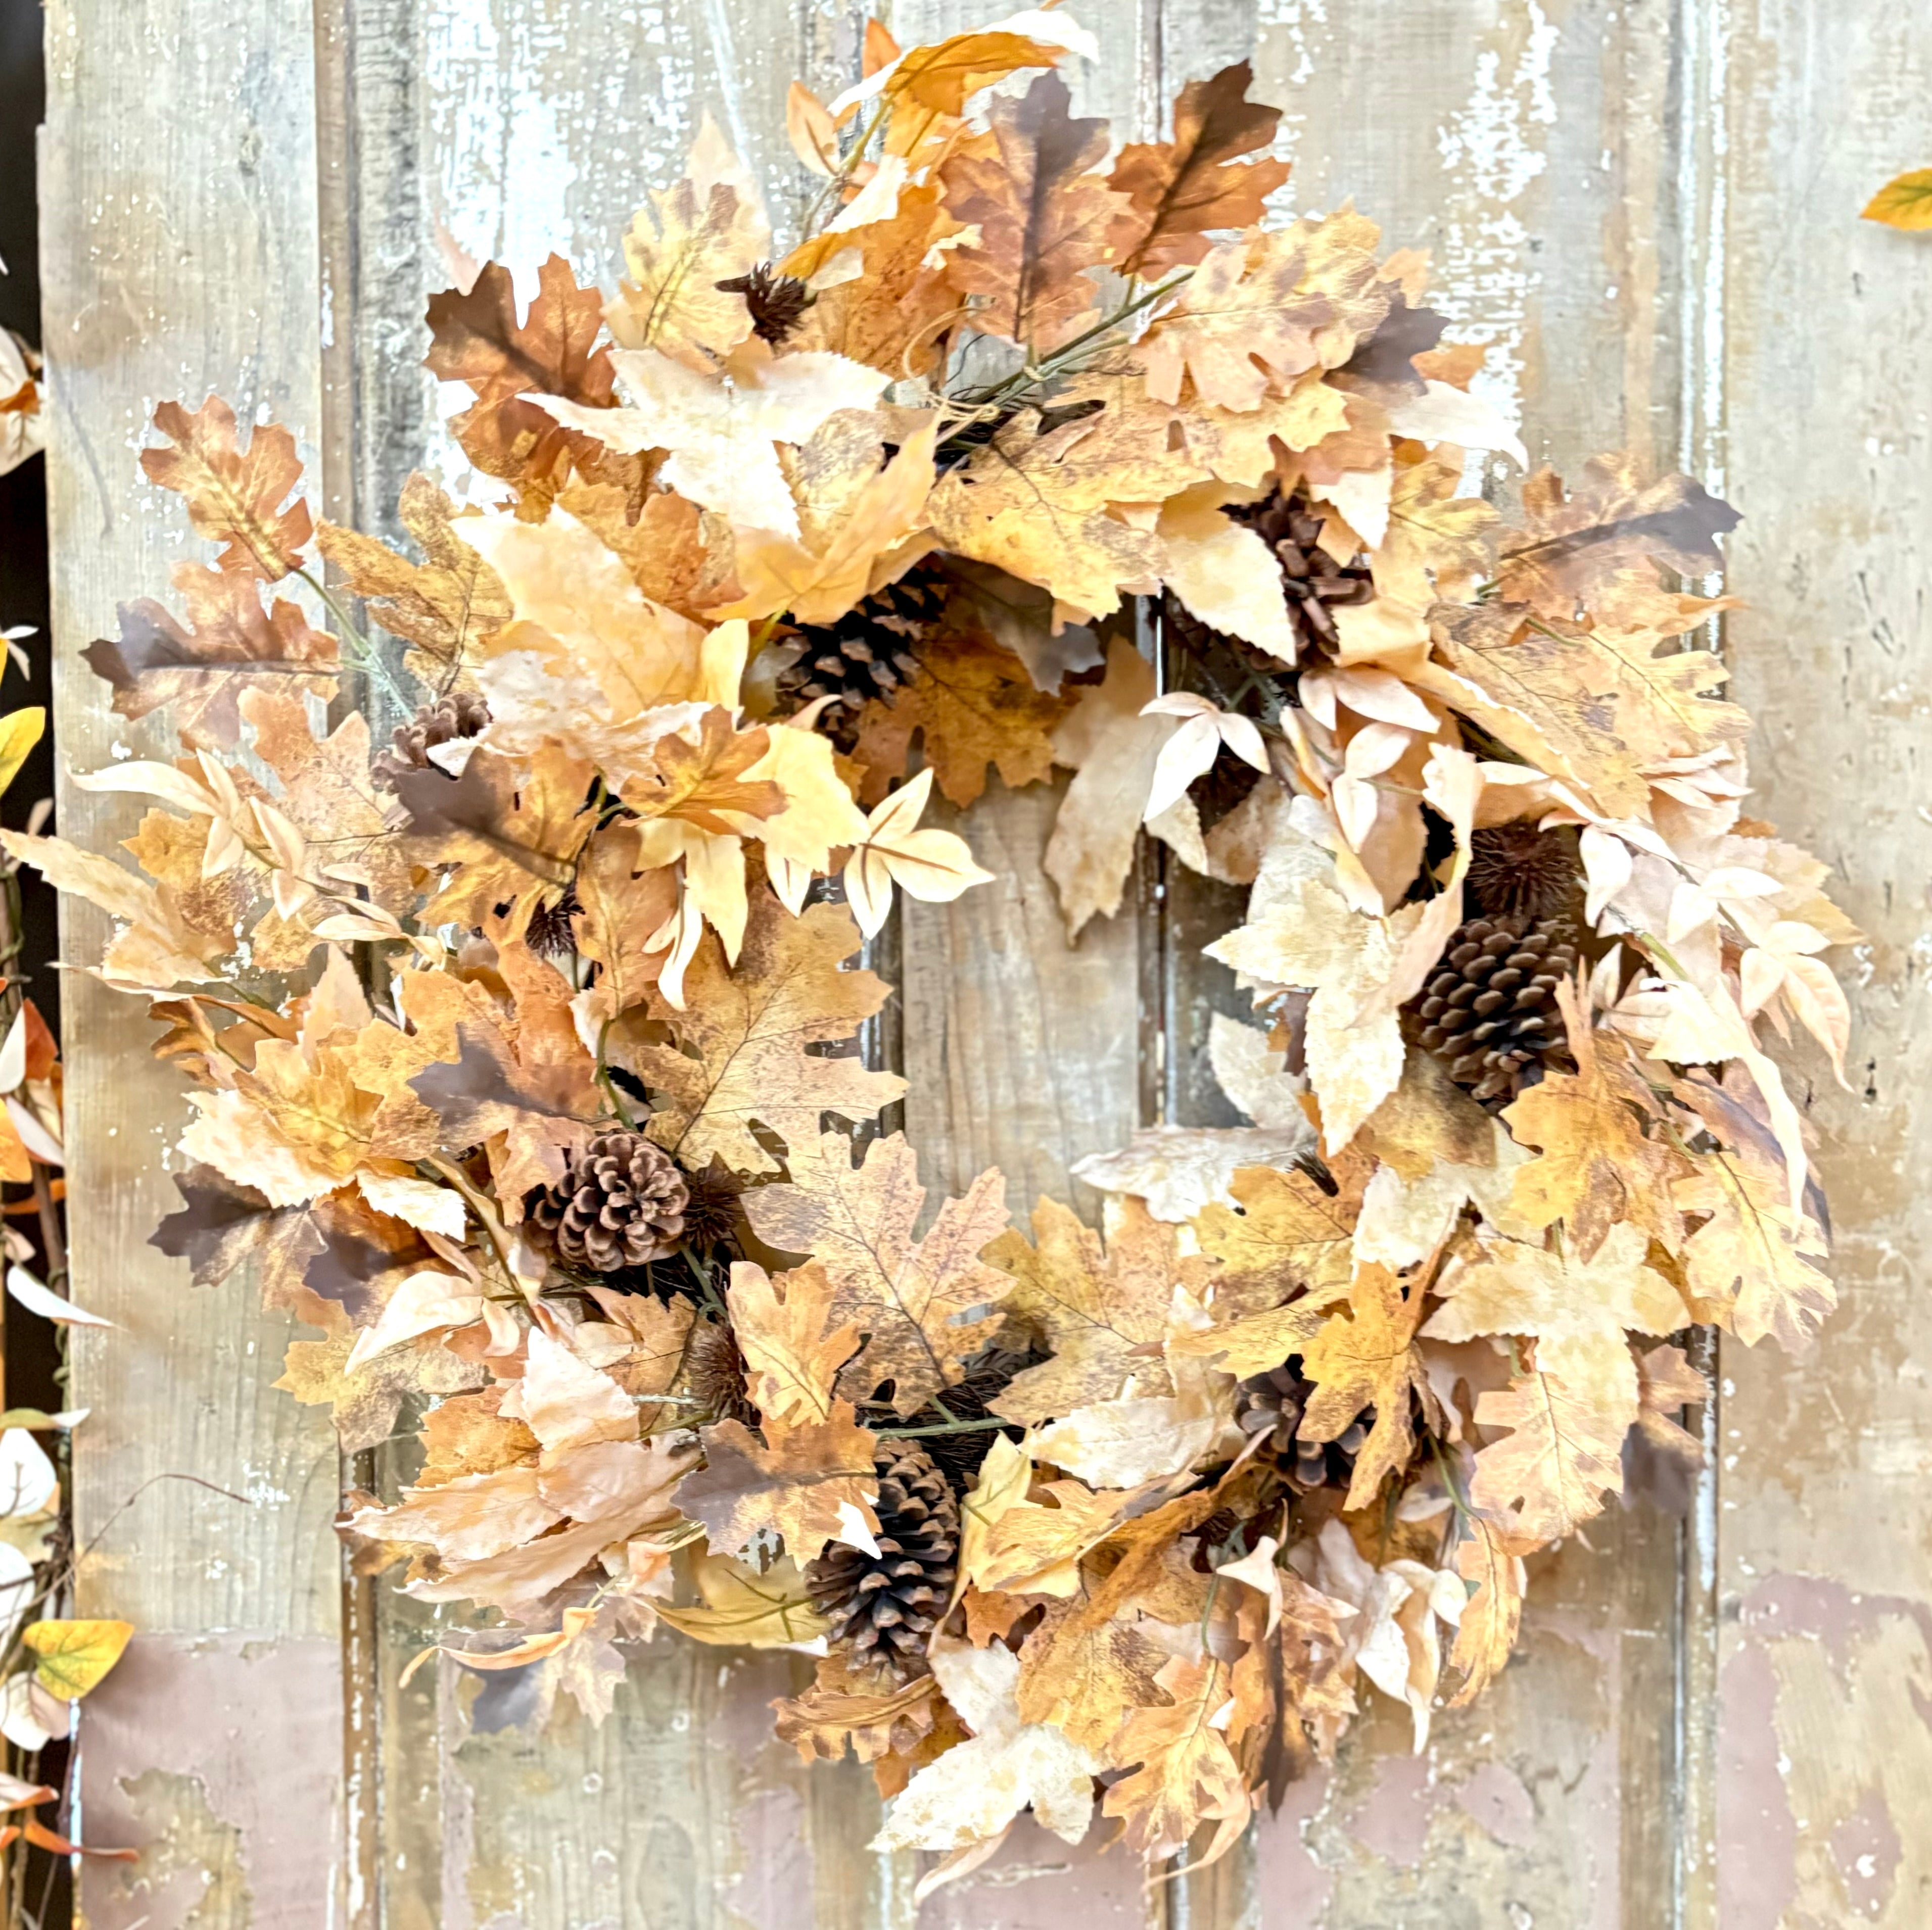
(541, 1145)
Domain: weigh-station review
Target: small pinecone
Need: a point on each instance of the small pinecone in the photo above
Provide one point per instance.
(1273, 1403)
(886, 1605)
(1312, 581)
(867, 654)
(714, 1373)
(622, 1203)
(778, 302)
(462, 713)
(1489, 1011)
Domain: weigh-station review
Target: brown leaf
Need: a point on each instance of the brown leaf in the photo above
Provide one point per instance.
(1178, 190)
(806, 1482)
(924, 1305)
(740, 1059)
(623, 908)
(873, 1717)
(974, 705)
(1083, 1678)
(1185, 1773)
(447, 606)
(229, 644)
(234, 499)
(1042, 219)
(941, 77)
(1574, 544)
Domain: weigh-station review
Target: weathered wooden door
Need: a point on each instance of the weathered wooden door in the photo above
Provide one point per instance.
(1647, 209)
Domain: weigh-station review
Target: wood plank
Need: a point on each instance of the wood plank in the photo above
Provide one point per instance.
(179, 255)
(1825, 1559)
(1519, 143)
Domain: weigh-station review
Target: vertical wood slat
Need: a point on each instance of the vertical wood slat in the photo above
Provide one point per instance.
(179, 255)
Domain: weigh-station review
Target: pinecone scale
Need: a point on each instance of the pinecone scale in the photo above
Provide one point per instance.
(443, 720)
(885, 1606)
(1273, 1403)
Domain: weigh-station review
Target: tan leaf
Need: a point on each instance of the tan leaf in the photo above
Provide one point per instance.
(1491, 1562)
(234, 499)
(808, 1482)
(749, 1608)
(791, 1360)
(740, 1058)
(1564, 1453)
(924, 1305)
(1365, 1357)
(1185, 1774)
(932, 865)
(1290, 1235)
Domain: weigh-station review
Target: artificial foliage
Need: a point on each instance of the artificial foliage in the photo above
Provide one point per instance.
(524, 1050)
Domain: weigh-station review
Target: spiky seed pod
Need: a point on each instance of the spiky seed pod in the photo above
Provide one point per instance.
(549, 933)
(714, 1373)
(1273, 1403)
(461, 714)
(867, 653)
(1517, 871)
(988, 1375)
(1489, 1011)
(778, 302)
(712, 1213)
(1314, 584)
(886, 1606)
(622, 1203)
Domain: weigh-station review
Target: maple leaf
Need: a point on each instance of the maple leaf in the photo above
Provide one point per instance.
(1575, 543)
(1092, 1307)
(1749, 1264)
(623, 906)
(1438, 543)
(1251, 314)
(447, 606)
(943, 76)
(974, 1790)
(1596, 1165)
(1564, 1453)
(924, 1305)
(807, 1482)
(739, 1056)
(1905, 202)
(1184, 1772)
(698, 782)
(1081, 1679)
(1579, 1310)
(721, 428)
(974, 705)
(1365, 1357)
(1285, 1235)
(707, 229)
(229, 644)
(1042, 219)
(234, 498)
(1178, 190)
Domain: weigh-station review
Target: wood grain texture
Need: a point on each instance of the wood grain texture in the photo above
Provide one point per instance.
(179, 255)
(1825, 1562)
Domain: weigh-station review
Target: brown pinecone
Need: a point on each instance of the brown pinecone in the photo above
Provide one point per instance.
(867, 653)
(622, 1203)
(1273, 1403)
(778, 302)
(1312, 580)
(886, 1605)
(1489, 1011)
(714, 1373)
(461, 714)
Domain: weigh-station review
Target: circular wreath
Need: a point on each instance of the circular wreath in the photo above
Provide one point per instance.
(1138, 1511)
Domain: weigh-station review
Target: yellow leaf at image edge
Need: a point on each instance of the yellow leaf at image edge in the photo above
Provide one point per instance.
(76, 1655)
(1905, 202)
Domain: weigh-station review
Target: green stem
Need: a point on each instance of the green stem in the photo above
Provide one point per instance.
(366, 656)
(609, 1084)
(945, 1427)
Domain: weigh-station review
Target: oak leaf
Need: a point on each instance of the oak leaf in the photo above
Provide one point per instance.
(1041, 218)
(623, 905)
(1491, 1561)
(234, 497)
(1366, 1357)
(942, 77)
(808, 1482)
(1178, 190)
(700, 782)
(924, 1305)
(229, 644)
(1184, 1772)
(739, 1059)
(1549, 1475)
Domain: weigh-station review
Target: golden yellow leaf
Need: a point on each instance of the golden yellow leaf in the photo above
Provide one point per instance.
(1549, 1475)
(749, 1608)
(1905, 202)
(1184, 1773)
(748, 1027)
(1492, 1561)
(75, 1655)
(19, 732)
